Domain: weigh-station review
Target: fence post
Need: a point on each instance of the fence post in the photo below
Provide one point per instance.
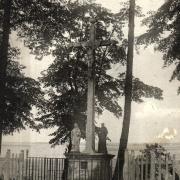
(21, 162)
(167, 166)
(173, 167)
(132, 165)
(152, 168)
(1, 166)
(137, 169)
(159, 168)
(126, 167)
(13, 165)
(27, 153)
(142, 166)
(146, 167)
(7, 165)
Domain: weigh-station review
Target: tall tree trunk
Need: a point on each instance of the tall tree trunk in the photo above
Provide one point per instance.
(0, 139)
(118, 173)
(3, 61)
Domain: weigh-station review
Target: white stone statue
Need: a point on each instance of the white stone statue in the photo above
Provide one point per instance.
(75, 137)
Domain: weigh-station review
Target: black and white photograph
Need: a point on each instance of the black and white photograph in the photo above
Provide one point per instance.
(89, 89)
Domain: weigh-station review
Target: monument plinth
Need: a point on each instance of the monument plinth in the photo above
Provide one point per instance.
(89, 165)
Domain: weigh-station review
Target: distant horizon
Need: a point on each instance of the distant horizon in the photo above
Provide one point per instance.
(131, 143)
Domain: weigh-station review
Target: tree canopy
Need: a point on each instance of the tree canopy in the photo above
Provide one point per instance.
(20, 93)
(164, 31)
(47, 28)
(65, 81)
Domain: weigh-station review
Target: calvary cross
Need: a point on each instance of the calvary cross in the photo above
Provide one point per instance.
(92, 44)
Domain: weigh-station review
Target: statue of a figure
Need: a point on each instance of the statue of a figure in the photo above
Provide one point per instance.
(75, 138)
(102, 135)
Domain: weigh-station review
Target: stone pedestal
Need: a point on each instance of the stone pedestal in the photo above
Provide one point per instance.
(82, 166)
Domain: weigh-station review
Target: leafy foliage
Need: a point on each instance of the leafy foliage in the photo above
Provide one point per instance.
(164, 32)
(48, 28)
(160, 155)
(21, 94)
(158, 150)
(41, 23)
(65, 80)
(143, 90)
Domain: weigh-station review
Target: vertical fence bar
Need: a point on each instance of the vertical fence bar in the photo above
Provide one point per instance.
(33, 168)
(126, 165)
(24, 164)
(18, 171)
(17, 166)
(118, 166)
(142, 167)
(137, 168)
(73, 169)
(53, 170)
(29, 168)
(56, 175)
(133, 166)
(166, 164)
(147, 163)
(152, 167)
(63, 164)
(103, 166)
(159, 168)
(26, 168)
(21, 159)
(8, 158)
(37, 167)
(59, 172)
(56, 167)
(12, 166)
(63, 167)
(49, 168)
(60, 167)
(41, 161)
(26, 161)
(25, 174)
(85, 173)
(111, 169)
(173, 167)
(129, 164)
(44, 168)
(79, 163)
(92, 172)
(99, 169)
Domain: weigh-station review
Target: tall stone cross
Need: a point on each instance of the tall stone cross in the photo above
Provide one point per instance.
(92, 44)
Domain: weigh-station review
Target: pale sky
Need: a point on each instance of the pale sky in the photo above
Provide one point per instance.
(152, 120)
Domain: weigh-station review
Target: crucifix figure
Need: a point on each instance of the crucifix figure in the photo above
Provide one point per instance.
(92, 44)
